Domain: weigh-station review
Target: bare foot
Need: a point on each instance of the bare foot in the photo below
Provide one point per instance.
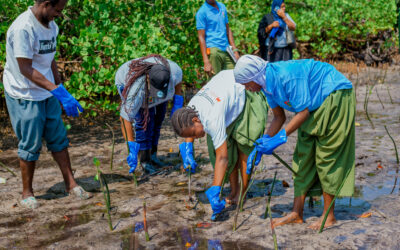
(290, 218)
(328, 223)
(232, 199)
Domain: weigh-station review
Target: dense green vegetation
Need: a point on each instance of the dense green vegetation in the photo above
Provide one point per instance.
(97, 36)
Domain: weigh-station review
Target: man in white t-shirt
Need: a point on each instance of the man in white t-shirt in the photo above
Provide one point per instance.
(33, 91)
(232, 117)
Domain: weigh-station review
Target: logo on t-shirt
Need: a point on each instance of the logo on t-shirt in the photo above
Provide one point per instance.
(288, 103)
(47, 46)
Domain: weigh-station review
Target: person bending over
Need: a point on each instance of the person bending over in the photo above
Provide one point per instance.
(145, 85)
(324, 102)
(226, 112)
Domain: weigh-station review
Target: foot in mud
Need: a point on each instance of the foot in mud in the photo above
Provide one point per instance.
(330, 221)
(157, 161)
(80, 193)
(232, 198)
(290, 218)
(148, 168)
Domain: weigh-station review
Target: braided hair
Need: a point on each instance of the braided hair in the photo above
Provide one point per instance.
(138, 68)
(183, 119)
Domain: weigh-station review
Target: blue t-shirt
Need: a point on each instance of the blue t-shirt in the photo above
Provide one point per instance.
(213, 21)
(299, 84)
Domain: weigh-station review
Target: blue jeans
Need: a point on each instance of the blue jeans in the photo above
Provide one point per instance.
(147, 138)
(34, 120)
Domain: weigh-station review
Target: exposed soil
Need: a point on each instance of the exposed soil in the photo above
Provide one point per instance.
(62, 222)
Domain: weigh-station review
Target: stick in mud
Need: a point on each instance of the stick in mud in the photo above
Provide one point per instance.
(268, 208)
(145, 222)
(190, 183)
(112, 146)
(9, 170)
(104, 189)
(397, 159)
(127, 146)
(240, 197)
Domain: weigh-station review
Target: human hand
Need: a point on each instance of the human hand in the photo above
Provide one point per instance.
(237, 56)
(132, 158)
(216, 204)
(186, 149)
(208, 68)
(281, 13)
(275, 24)
(70, 104)
(266, 144)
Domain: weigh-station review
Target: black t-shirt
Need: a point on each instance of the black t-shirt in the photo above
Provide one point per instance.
(262, 35)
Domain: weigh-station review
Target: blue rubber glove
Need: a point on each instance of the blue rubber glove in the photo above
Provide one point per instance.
(216, 204)
(267, 145)
(177, 103)
(255, 154)
(186, 149)
(70, 104)
(132, 158)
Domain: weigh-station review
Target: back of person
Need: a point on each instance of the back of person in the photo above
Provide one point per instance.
(219, 103)
(305, 79)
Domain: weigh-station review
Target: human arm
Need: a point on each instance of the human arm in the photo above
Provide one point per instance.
(297, 121)
(203, 48)
(291, 25)
(277, 122)
(134, 147)
(268, 29)
(232, 41)
(26, 69)
(178, 99)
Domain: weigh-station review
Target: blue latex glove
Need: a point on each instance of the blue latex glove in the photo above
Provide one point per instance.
(132, 158)
(186, 149)
(216, 204)
(267, 145)
(70, 104)
(256, 154)
(177, 103)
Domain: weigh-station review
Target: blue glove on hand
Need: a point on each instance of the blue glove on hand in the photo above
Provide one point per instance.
(267, 145)
(70, 104)
(133, 155)
(186, 149)
(253, 154)
(216, 204)
(177, 103)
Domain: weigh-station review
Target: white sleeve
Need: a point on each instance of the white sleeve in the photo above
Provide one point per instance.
(217, 130)
(22, 43)
(176, 73)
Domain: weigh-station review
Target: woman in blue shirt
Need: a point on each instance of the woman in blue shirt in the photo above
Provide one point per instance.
(324, 102)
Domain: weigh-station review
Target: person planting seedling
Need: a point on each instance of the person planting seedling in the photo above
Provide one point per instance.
(231, 117)
(324, 103)
(145, 85)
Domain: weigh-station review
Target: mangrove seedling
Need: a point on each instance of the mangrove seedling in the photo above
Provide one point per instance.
(268, 208)
(104, 188)
(240, 197)
(145, 222)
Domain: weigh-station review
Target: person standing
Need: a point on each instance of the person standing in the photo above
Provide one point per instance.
(272, 34)
(215, 36)
(145, 86)
(33, 90)
(324, 104)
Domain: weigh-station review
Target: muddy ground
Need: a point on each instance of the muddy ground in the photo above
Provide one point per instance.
(62, 222)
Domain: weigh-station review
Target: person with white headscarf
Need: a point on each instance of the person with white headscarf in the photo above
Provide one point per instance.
(324, 102)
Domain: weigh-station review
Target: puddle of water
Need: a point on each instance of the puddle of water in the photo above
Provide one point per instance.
(16, 222)
(69, 221)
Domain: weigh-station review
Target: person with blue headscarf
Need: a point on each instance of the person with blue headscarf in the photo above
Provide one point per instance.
(272, 33)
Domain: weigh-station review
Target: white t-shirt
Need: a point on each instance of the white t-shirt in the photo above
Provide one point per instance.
(137, 93)
(28, 38)
(219, 103)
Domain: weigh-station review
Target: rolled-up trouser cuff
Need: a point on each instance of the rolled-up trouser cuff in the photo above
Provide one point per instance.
(27, 156)
(58, 147)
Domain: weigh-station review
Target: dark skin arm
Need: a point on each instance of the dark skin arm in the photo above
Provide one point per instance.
(129, 129)
(231, 40)
(203, 48)
(221, 164)
(290, 24)
(178, 89)
(280, 118)
(26, 69)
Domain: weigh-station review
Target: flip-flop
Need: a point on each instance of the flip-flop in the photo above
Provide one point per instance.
(80, 193)
(29, 202)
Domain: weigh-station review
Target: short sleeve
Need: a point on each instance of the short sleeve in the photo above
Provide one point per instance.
(176, 73)
(218, 132)
(201, 21)
(272, 104)
(299, 94)
(290, 18)
(22, 44)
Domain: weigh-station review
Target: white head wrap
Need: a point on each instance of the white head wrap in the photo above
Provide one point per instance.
(250, 68)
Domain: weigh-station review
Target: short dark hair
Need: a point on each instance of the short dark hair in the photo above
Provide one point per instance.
(52, 2)
(182, 119)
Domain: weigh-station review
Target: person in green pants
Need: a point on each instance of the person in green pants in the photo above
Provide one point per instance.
(215, 36)
(324, 102)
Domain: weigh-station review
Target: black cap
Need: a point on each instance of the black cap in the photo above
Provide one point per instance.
(159, 78)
